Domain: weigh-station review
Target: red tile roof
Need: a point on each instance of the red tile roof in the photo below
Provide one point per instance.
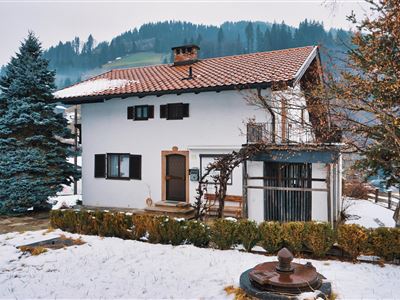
(218, 73)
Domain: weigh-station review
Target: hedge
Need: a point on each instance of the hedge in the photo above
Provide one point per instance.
(316, 237)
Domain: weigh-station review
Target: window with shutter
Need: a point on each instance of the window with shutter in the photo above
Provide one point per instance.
(175, 111)
(186, 110)
(118, 165)
(130, 112)
(99, 165)
(135, 166)
(163, 111)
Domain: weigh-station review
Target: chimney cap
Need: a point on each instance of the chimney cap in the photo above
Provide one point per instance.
(186, 46)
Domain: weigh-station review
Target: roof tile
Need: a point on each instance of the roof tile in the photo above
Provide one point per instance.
(262, 67)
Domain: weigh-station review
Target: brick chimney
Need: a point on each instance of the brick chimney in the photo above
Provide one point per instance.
(185, 55)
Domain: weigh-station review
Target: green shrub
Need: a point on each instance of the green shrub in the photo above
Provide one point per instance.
(385, 242)
(248, 234)
(64, 219)
(223, 233)
(198, 233)
(140, 224)
(293, 235)
(114, 224)
(353, 239)
(174, 231)
(318, 237)
(86, 223)
(271, 236)
(156, 232)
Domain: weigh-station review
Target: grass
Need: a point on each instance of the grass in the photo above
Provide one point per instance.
(136, 60)
(33, 250)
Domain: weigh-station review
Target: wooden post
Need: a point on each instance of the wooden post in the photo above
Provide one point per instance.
(76, 146)
(389, 199)
(376, 195)
(328, 187)
(245, 213)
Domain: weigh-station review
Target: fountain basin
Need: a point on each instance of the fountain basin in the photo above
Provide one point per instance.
(284, 279)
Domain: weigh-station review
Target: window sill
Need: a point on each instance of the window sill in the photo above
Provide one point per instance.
(118, 178)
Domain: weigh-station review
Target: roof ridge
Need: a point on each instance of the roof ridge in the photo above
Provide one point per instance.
(213, 58)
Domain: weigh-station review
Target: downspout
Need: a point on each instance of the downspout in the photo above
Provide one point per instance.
(269, 108)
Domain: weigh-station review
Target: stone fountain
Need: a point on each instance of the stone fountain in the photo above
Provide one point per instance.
(284, 279)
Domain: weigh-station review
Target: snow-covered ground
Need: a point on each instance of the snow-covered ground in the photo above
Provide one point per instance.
(368, 214)
(64, 201)
(114, 268)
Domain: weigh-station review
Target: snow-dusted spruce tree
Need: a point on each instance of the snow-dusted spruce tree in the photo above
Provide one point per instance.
(33, 154)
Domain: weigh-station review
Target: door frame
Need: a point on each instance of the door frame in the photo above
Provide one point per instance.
(164, 155)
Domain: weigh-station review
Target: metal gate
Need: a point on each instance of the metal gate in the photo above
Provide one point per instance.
(284, 197)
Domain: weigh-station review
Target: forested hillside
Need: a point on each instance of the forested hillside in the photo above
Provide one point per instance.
(78, 59)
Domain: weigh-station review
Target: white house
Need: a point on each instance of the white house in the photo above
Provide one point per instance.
(145, 129)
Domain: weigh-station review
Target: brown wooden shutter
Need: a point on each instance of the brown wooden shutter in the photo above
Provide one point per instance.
(135, 166)
(131, 112)
(186, 110)
(99, 165)
(163, 111)
(175, 111)
(150, 111)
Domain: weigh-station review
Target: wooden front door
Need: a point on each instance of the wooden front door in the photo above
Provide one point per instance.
(175, 177)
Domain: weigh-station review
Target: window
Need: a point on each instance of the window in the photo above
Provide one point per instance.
(140, 112)
(118, 165)
(255, 132)
(174, 111)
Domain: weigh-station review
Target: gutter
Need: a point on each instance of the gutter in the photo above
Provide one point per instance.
(102, 98)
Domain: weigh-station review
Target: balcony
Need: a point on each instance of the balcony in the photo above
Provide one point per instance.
(278, 134)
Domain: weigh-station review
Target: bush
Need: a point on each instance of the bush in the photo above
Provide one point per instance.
(114, 225)
(385, 242)
(198, 233)
(223, 233)
(174, 230)
(248, 234)
(64, 219)
(318, 237)
(293, 235)
(356, 189)
(86, 223)
(156, 232)
(353, 239)
(271, 236)
(140, 224)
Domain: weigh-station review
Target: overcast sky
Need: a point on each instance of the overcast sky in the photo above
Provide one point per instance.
(62, 20)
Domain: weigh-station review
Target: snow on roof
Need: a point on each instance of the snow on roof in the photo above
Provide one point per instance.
(91, 87)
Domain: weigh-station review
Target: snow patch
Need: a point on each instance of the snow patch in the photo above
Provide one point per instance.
(368, 214)
(115, 268)
(92, 86)
(64, 201)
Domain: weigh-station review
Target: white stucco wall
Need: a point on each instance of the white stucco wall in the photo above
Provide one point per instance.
(319, 202)
(255, 197)
(216, 124)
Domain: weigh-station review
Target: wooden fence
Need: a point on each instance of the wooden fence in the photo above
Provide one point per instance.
(390, 198)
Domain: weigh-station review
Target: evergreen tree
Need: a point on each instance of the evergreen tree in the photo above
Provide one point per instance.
(260, 43)
(250, 37)
(33, 153)
(220, 40)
